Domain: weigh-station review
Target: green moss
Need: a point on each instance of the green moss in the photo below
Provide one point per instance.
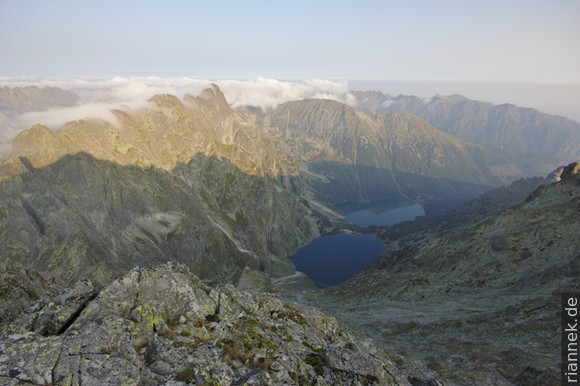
(168, 333)
(316, 360)
(311, 347)
(187, 374)
(8, 329)
(249, 322)
(245, 347)
(294, 315)
(208, 308)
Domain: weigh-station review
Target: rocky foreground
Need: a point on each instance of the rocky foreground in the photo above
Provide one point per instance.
(164, 326)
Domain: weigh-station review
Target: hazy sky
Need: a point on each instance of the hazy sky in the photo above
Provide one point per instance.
(492, 40)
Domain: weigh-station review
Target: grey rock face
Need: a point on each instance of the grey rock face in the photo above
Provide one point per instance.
(164, 326)
(82, 217)
(20, 287)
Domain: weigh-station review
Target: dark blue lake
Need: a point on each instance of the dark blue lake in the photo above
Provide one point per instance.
(365, 218)
(330, 260)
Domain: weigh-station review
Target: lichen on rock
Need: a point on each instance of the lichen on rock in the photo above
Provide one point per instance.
(163, 325)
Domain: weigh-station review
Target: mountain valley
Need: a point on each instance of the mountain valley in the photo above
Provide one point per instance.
(133, 230)
(476, 299)
(168, 178)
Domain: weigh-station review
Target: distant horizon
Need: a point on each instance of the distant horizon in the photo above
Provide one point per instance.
(556, 98)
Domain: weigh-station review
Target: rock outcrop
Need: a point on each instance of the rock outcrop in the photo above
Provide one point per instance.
(163, 326)
(20, 287)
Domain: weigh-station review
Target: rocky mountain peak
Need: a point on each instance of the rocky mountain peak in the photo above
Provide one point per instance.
(165, 101)
(164, 326)
(18, 100)
(167, 132)
(212, 98)
(454, 98)
(39, 144)
(569, 172)
(213, 91)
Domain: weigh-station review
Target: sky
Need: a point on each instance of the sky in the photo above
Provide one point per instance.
(445, 40)
(266, 52)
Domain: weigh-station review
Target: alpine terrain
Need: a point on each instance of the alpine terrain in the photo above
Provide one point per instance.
(153, 247)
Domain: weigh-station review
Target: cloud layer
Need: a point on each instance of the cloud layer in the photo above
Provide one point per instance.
(99, 96)
(261, 92)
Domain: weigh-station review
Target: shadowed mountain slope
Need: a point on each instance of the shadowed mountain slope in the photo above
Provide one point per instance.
(483, 296)
(83, 217)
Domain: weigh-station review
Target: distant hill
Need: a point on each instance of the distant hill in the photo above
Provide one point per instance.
(506, 126)
(19, 100)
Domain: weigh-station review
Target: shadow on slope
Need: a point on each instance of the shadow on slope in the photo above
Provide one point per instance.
(484, 295)
(345, 185)
(82, 217)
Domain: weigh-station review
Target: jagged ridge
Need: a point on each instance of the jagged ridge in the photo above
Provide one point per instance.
(505, 126)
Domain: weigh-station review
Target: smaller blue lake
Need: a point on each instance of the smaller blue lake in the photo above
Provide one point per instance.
(365, 218)
(330, 260)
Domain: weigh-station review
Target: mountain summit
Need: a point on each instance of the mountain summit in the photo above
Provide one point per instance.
(196, 181)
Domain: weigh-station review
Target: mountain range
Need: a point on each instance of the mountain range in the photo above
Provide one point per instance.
(195, 181)
(227, 195)
(19, 100)
(505, 126)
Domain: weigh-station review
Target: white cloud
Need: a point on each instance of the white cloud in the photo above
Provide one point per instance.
(265, 92)
(262, 92)
(57, 117)
(99, 96)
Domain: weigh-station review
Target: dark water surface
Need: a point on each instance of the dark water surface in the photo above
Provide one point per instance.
(365, 218)
(330, 260)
